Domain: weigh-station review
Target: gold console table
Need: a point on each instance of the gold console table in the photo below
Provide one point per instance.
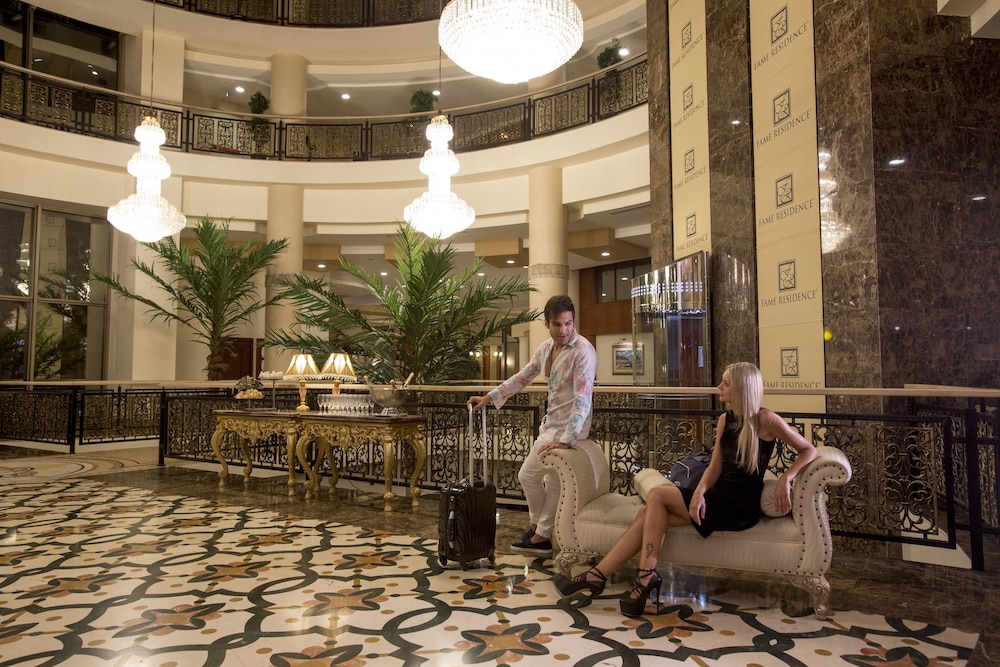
(347, 431)
(255, 425)
(326, 430)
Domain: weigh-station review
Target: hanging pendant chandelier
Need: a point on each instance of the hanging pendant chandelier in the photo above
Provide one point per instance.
(439, 212)
(510, 41)
(146, 215)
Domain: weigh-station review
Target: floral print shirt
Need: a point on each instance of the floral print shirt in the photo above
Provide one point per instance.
(571, 387)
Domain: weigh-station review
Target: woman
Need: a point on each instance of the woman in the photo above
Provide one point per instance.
(727, 498)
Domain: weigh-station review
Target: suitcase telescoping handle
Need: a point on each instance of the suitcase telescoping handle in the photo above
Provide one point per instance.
(472, 441)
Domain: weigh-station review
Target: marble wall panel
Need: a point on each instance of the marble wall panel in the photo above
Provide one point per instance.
(850, 316)
(925, 346)
(660, 176)
(918, 209)
(920, 276)
(913, 26)
(841, 34)
(975, 77)
(733, 268)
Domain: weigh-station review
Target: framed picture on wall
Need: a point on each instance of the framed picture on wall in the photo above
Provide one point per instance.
(624, 361)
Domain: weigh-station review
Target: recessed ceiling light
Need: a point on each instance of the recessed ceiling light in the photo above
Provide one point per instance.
(510, 261)
(605, 254)
(321, 266)
(623, 51)
(345, 96)
(895, 162)
(384, 273)
(624, 278)
(480, 274)
(239, 89)
(436, 93)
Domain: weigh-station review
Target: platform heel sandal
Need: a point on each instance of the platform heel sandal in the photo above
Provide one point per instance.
(635, 603)
(580, 589)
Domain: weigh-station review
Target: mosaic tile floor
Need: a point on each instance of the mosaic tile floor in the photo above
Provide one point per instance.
(94, 572)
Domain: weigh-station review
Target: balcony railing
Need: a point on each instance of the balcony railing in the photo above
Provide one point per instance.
(40, 99)
(927, 476)
(317, 13)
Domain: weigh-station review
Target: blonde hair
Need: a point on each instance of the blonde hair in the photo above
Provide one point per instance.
(746, 393)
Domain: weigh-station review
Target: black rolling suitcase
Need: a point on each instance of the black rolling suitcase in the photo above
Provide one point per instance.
(467, 525)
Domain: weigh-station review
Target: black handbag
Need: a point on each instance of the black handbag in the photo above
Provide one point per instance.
(687, 472)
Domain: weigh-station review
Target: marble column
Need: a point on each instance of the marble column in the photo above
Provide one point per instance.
(910, 250)
(732, 262)
(548, 270)
(285, 202)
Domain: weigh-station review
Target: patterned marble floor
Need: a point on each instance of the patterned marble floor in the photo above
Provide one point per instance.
(158, 566)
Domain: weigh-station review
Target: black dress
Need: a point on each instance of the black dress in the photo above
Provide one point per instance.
(733, 502)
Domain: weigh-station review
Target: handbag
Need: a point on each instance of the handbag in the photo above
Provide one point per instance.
(687, 472)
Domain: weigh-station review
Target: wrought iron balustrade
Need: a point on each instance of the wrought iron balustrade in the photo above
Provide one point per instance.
(41, 99)
(317, 13)
(925, 478)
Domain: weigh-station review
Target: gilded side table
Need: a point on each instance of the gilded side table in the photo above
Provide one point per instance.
(347, 431)
(251, 426)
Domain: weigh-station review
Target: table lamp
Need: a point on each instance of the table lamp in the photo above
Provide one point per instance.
(338, 367)
(301, 367)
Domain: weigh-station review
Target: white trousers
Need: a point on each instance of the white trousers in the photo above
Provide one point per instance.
(541, 487)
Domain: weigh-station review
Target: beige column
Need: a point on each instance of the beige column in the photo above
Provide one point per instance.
(284, 202)
(548, 269)
(288, 84)
(139, 348)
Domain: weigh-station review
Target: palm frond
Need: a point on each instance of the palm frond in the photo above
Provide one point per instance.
(209, 288)
(428, 324)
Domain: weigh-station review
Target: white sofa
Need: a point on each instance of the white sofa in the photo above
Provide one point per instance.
(798, 546)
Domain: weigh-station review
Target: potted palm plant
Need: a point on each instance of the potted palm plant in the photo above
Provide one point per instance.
(210, 286)
(427, 324)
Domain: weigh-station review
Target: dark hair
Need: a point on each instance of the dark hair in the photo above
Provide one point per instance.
(558, 305)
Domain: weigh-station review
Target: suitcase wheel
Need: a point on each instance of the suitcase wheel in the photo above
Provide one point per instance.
(442, 560)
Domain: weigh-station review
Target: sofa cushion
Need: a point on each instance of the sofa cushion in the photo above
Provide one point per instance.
(646, 479)
(767, 496)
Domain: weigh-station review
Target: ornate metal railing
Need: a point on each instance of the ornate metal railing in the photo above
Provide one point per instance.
(40, 99)
(920, 478)
(317, 13)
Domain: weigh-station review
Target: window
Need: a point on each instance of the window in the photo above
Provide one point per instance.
(52, 326)
(615, 280)
(74, 50)
(12, 18)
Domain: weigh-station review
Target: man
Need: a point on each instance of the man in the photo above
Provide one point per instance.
(569, 362)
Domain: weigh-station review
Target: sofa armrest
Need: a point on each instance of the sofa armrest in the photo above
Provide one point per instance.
(829, 468)
(584, 475)
(809, 509)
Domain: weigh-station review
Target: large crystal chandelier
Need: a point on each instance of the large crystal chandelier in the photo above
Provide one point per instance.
(146, 215)
(510, 41)
(439, 212)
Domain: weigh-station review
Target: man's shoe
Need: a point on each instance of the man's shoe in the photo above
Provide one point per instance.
(526, 546)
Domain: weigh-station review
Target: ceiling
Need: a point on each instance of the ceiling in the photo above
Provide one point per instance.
(984, 15)
(380, 68)
(380, 75)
